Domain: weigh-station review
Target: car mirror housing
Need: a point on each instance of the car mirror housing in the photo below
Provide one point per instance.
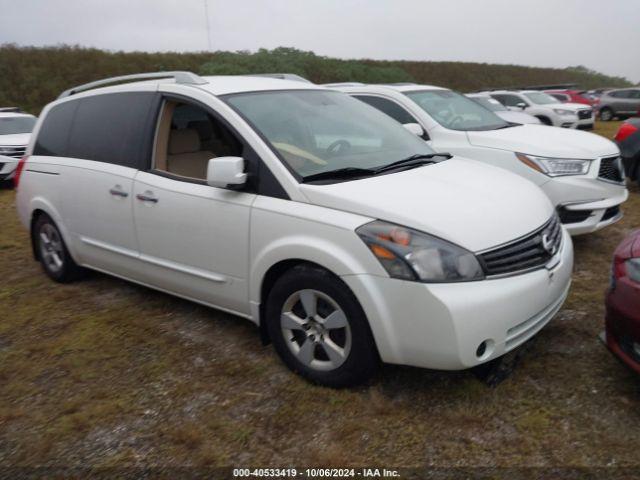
(414, 128)
(521, 105)
(223, 172)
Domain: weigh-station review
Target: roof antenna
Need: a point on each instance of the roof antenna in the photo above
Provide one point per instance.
(206, 16)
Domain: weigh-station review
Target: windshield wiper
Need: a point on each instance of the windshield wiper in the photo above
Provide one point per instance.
(413, 161)
(354, 172)
(340, 173)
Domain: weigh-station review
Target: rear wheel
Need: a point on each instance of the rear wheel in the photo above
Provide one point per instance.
(606, 114)
(319, 329)
(52, 251)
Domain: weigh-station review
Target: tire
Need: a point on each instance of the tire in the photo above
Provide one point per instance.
(52, 252)
(299, 308)
(606, 114)
(544, 120)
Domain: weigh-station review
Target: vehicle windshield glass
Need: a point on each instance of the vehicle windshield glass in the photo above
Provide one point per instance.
(541, 98)
(490, 103)
(455, 111)
(14, 125)
(317, 131)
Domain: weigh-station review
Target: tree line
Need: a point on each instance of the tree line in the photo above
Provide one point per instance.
(31, 77)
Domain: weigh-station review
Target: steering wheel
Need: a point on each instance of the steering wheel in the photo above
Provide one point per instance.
(338, 147)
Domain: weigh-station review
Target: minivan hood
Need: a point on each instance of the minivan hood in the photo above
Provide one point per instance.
(17, 139)
(469, 203)
(545, 141)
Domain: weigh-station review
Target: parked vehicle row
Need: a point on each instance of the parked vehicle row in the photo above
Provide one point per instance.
(549, 110)
(345, 232)
(581, 173)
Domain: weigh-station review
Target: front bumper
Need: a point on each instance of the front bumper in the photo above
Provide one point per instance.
(586, 203)
(7, 168)
(441, 326)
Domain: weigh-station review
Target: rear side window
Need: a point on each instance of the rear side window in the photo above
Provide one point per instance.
(113, 128)
(389, 107)
(54, 131)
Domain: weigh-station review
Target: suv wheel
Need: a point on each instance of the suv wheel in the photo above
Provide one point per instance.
(544, 120)
(319, 329)
(606, 114)
(52, 251)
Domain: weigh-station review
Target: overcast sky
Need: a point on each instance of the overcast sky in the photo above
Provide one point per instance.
(602, 35)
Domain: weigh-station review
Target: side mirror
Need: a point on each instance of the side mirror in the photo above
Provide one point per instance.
(521, 105)
(226, 171)
(414, 128)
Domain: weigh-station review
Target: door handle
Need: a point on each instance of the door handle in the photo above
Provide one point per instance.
(118, 192)
(147, 197)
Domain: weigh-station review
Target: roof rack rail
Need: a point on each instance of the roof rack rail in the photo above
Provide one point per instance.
(281, 76)
(343, 84)
(10, 110)
(188, 78)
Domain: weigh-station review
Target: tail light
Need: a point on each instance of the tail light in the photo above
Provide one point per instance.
(626, 129)
(19, 168)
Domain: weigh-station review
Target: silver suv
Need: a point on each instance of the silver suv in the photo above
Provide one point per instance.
(624, 102)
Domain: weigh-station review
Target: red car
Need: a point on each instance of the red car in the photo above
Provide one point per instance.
(622, 332)
(573, 96)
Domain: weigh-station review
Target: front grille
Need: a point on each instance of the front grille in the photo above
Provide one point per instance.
(15, 151)
(611, 212)
(584, 114)
(532, 251)
(573, 216)
(611, 169)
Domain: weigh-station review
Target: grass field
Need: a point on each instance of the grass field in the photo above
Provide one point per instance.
(105, 373)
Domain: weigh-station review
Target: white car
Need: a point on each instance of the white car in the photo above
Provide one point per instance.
(581, 172)
(500, 110)
(547, 109)
(343, 236)
(15, 131)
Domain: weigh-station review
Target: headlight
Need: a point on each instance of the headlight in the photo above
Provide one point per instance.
(555, 167)
(412, 255)
(562, 111)
(633, 269)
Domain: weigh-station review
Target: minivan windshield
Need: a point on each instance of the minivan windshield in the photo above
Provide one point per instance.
(541, 98)
(15, 125)
(455, 111)
(317, 131)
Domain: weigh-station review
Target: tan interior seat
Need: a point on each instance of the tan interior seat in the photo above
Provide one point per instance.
(185, 157)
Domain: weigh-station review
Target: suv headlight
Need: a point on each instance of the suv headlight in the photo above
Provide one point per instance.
(408, 254)
(562, 111)
(555, 167)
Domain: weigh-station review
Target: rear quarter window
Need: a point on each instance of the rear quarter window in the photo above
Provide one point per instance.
(113, 128)
(54, 132)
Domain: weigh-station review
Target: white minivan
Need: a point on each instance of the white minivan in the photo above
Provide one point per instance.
(581, 172)
(344, 237)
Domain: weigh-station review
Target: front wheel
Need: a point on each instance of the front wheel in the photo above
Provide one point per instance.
(319, 329)
(52, 251)
(606, 114)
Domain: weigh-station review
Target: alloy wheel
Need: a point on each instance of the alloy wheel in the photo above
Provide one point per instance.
(316, 330)
(51, 249)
